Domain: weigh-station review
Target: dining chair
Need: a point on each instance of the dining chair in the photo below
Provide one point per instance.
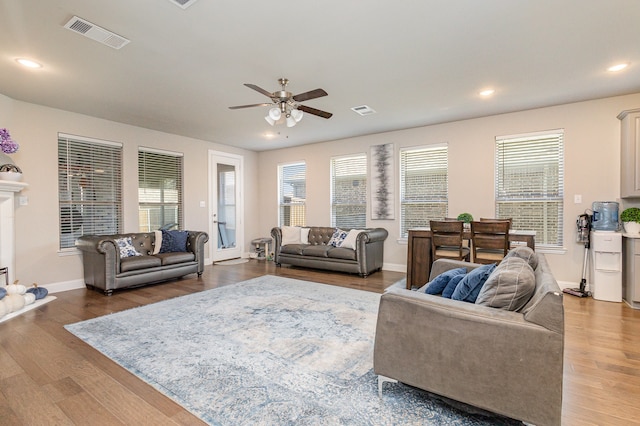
(489, 240)
(492, 219)
(447, 240)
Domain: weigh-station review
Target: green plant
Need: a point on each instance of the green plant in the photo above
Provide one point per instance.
(465, 217)
(632, 214)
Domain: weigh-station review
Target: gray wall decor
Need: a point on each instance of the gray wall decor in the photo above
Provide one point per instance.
(382, 182)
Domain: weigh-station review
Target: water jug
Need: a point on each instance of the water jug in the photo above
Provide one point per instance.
(605, 216)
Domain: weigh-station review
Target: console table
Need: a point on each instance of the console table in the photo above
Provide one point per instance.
(419, 252)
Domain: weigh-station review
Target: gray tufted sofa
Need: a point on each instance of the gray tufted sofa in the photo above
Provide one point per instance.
(508, 362)
(106, 271)
(366, 258)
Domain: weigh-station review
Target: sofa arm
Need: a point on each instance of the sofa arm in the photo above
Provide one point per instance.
(196, 242)
(276, 234)
(373, 235)
(486, 357)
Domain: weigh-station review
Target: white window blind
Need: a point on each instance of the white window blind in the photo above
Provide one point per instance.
(530, 183)
(292, 193)
(159, 190)
(349, 191)
(423, 186)
(89, 188)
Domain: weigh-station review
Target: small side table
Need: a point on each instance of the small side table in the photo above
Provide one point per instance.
(5, 271)
(263, 246)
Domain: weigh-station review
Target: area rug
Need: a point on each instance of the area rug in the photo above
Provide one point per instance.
(267, 351)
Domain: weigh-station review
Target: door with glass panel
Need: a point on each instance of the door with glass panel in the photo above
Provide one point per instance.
(226, 230)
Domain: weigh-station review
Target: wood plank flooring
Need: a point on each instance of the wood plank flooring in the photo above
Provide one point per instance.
(48, 376)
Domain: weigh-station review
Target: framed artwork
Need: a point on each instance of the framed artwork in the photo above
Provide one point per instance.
(382, 182)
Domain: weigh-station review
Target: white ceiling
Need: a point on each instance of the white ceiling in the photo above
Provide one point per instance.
(416, 62)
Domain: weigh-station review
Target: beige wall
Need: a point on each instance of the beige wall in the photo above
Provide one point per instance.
(592, 157)
(36, 128)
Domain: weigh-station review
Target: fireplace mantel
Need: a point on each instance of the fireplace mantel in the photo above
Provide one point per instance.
(8, 189)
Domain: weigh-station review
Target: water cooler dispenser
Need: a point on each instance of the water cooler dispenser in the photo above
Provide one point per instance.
(606, 265)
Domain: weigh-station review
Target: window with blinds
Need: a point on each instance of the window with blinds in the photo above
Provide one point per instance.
(349, 191)
(530, 183)
(89, 188)
(292, 193)
(423, 186)
(159, 190)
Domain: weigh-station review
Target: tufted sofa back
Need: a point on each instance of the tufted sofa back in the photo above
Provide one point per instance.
(319, 235)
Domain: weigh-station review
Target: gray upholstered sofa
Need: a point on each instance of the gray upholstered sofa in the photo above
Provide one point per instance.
(507, 362)
(105, 269)
(363, 255)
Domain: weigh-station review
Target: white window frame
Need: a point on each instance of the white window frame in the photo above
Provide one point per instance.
(297, 203)
(152, 196)
(434, 197)
(349, 167)
(536, 200)
(89, 188)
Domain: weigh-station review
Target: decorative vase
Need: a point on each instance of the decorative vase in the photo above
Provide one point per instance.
(631, 227)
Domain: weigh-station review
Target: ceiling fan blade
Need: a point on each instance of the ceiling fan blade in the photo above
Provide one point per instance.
(312, 94)
(248, 106)
(314, 111)
(259, 89)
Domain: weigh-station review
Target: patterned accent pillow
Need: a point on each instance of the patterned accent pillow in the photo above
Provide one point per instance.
(126, 247)
(338, 237)
(174, 241)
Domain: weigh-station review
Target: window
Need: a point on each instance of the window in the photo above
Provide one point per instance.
(159, 190)
(349, 191)
(292, 193)
(89, 188)
(529, 183)
(423, 186)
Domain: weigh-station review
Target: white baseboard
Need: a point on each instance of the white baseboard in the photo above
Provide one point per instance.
(570, 284)
(64, 286)
(394, 267)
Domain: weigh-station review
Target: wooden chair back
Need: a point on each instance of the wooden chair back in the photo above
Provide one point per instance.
(489, 240)
(447, 240)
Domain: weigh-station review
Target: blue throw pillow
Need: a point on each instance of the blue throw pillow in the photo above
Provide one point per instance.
(174, 241)
(440, 282)
(469, 288)
(452, 285)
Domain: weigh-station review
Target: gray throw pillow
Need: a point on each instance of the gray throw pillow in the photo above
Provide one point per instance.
(510, 286)
(525, 253)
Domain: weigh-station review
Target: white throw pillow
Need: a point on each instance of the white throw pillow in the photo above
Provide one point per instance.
(304, 235)
(350, 240)
(290, 235)
(158, 242)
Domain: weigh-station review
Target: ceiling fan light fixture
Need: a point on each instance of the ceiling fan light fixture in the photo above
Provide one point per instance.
(270, 120)
(291, 121)
(275, 113)
(297, 115)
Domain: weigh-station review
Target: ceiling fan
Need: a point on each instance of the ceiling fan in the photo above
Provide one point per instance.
(285, 104)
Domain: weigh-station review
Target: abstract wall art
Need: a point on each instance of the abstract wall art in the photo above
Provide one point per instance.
(382, 182)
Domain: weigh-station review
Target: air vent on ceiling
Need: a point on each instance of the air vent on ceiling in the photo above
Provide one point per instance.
(363, 110)
(95, 32)
(183, 4)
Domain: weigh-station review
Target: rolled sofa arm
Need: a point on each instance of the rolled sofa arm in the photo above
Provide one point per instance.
(373, 235)
(196, 242)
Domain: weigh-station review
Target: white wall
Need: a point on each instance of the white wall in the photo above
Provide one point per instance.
(592, 169)
(36, 129)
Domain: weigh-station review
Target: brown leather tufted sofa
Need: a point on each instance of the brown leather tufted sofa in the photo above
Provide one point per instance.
(106, 271)
(366, 258)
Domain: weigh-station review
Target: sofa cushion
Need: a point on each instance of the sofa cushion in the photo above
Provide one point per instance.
(316, 250)
(175, 257)
(525, 253)
(451, 286)
(437, 285)
(291, 235)
(126, 248)
(469, 287)
(337, 238)
(293, 249)
(510, 286)
(174, 241)
(157, 244)
(351, 239)
(304, 235)
(135, 263)
(342, 253)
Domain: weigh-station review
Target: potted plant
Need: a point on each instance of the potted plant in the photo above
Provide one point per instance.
(466, 218)
(631, 220)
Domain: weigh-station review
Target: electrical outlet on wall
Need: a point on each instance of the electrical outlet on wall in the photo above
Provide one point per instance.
(577, 199)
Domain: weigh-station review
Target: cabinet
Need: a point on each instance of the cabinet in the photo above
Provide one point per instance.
(630, 153)
(631, 272)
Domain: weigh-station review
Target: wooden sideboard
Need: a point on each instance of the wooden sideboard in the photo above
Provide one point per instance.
(419, 253)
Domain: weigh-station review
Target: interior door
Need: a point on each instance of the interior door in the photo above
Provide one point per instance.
(226, 231)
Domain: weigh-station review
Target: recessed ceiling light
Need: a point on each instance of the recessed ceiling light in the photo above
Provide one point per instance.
(487, 92)
(618, 67)
(28, 63)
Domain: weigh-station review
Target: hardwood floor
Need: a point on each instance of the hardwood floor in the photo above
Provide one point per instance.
(48, 376)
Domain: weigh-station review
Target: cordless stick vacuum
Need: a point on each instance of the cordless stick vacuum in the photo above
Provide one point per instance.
(584, 228)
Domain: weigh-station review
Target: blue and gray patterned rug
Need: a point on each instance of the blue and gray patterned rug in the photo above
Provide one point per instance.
(268, 351)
